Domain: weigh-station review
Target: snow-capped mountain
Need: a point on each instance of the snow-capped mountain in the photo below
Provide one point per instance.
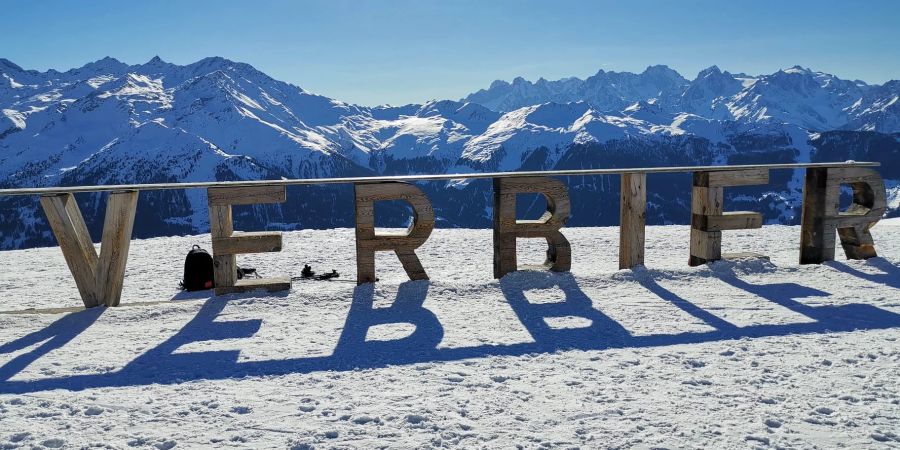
(813, 100)
(110, 122)
(605, 91)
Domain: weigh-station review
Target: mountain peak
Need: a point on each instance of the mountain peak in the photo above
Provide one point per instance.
(498, 84)
(155, 61)
(5, 63)
(103, 64)
(797, 69)
(711, 70)
(661, 69)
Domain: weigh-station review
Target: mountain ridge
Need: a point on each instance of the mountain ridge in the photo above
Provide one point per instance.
(215, 119)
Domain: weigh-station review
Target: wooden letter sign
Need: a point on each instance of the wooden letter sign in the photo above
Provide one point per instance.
(403, 244)
(707, 219)
(822, 216)
(507, 228)
(99, 278)
(227, 243)
(633, 214)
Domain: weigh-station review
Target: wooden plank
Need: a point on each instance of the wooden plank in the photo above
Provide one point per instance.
(632, 213)
(705, 246)
(744, 255)
(247, 242)
(246, 195)
(725, 178)
(414, 178)
(71, 233)
(814, 235)
(274, 284)
(99, 278)
(507, 229)
(117, 228)
(731, 220)
(221, 226)
(403, 244)
(227, 243)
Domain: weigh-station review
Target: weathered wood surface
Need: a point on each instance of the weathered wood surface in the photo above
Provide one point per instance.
(402, 244)
(274, 284)
(507, 229)
(413, 178)
(708, 219)
(822, 219)
(99, 278)
(115, 243)
(248, 242)
(247, 195)
(731, 220)
(221, 226)
(730, 178)
(633, 219)
(227, 243)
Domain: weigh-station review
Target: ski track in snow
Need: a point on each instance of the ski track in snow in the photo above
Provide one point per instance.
(739, 354)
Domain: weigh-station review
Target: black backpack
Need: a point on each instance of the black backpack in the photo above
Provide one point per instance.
(198, 270)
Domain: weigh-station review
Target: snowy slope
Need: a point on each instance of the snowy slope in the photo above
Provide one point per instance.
(748, 354)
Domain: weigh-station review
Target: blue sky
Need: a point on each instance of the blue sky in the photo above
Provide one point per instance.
(399, 51)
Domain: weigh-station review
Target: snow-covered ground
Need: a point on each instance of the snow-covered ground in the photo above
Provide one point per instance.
(732, 355)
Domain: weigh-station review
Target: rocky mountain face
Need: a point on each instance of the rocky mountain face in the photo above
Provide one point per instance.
(109, 122)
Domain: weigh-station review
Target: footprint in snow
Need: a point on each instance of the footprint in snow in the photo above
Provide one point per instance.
(241, 410)
(53, 443)
(415, 419)
(93, 411)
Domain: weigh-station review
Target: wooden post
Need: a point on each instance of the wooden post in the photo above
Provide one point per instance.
(633, 212)
(403, 244)
(707, 218)
(227, 243)
(507, 229)
(822, 218)
(99, 278)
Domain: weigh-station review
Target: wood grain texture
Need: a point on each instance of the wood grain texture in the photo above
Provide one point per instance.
(117, 227)
(75, 242)
(248, 242)
(726, 178)
(822, 218)
(227, 243)
(731, 220)
(246, 195)
(402, 243)
(99, 278)
(507, 229)
(633, 219)
(274, 284)
(708, 219)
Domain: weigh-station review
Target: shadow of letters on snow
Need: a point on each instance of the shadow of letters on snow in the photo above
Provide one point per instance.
(569, 321)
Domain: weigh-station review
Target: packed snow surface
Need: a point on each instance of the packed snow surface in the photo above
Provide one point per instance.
(737, 354)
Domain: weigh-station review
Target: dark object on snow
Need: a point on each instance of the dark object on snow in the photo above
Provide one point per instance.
(328, 276)
(198, 270)
(308, 274)
(244, 272)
